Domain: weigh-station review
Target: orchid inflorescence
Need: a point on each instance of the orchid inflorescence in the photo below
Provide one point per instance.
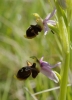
(44, 67)
(61, 27)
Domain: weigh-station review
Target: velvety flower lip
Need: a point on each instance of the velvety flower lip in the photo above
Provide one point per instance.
(46, 69)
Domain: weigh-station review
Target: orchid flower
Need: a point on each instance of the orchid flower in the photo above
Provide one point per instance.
(45, 22)
(42, 24)
(46, 69)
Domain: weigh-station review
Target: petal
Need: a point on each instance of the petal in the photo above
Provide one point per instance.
(50, 15)
(52, 22)
(58, 64)
(49, 73)
(46, 29)
(46, 64)
(43, 63)
(45, 32)
(41, 59)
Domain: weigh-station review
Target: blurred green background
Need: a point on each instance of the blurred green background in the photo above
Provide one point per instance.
(15, 17)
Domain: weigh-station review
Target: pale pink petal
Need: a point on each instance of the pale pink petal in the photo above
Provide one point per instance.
(49, 73)
(52, 22)
(41, 59)
(46, 29)
(58, 64)
(50, 15)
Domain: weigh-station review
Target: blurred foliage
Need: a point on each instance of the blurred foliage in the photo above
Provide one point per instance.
(15, 18)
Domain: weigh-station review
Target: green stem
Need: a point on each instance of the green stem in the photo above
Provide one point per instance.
(64, 80)
(66, 58)
(64, 34)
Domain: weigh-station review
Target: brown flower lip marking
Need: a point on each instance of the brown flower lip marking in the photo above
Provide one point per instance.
(32, 31)
(26, 71)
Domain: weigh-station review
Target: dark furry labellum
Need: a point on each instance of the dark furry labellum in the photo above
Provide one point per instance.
(33, 30)
(26, 71)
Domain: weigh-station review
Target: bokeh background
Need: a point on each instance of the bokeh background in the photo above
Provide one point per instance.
(15, 17)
